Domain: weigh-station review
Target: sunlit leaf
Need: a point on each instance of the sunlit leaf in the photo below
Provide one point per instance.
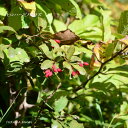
(70, 52)
(75, 124)
(5, 28)
(30, 7)
(60, 104)
(46, 64)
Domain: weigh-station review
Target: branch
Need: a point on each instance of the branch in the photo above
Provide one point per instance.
(102, 65)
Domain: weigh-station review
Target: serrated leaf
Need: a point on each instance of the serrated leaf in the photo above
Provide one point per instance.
(60, 104)
(70, 52)
(80, 69)
(46, 64)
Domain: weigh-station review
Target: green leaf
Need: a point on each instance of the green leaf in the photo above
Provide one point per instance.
(54, 44)
(125, 117)
(3, 11)
(5, 28)
(25, 22)
(33, 51)
(75, 59)
(46, 14)
(75, 124)
(60, 104)
(106, 20)
(80, 69)
(67, 66)
(42, 22)
(70, 52)
(17, 54)
(85, 24)
(123, 23)
(59, 25)
(98, 108)
(124, 108)
(2, 48)
(14, 18)
(30, 7)
(46, 51)
(56, 124)
(66, 5)
(109, 50)
(22, 55)
(46, 64)
(78, 12)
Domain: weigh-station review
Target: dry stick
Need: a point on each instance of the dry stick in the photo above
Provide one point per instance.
(102, 65)
(49, 97)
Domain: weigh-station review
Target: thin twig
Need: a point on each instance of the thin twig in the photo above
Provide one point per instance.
(45, 102)
(102, 65)
(100, 69)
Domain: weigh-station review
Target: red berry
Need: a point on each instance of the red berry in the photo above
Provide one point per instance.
(77, 72)
(47, 71)
(53, 66)
(47, 75)
(86, 63)
(59, 70)
(57, 41)
(50, 73)
(74, 73)
(55, 70)
(81, 64)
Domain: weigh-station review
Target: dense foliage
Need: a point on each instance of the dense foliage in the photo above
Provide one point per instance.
(63, 64)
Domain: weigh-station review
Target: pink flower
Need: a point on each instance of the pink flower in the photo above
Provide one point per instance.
(86, 63)
(57, 41)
